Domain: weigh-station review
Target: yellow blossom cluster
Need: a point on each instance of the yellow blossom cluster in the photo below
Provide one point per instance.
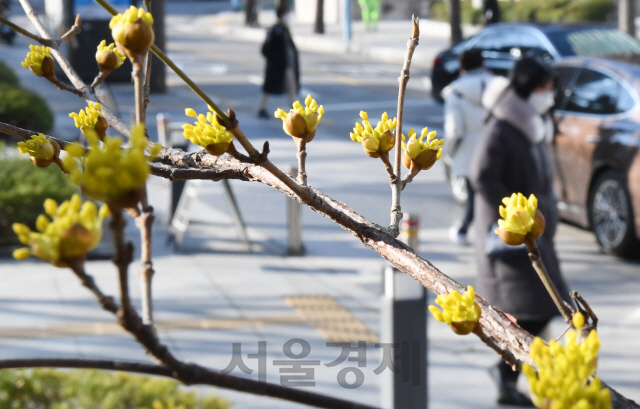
(207, 132)
(460, 311)
(91, 120)
(109, 173)
(132, 32)
(38, 147)
(39, 61)
(301, 122)
(108, 56)
(566, 375)
(70, 231)
(378, 140)
(520, 217)
(421, 153)
(130, 16)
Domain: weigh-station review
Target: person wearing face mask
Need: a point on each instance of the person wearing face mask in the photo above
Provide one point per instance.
(512, 156)
(281, 73)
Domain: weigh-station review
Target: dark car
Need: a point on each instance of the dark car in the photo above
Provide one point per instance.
(503, 44)
(595, 149)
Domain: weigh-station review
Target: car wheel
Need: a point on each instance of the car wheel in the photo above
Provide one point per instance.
(611, 215)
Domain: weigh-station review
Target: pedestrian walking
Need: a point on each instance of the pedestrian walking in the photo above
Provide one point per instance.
(281, 73)
(491, 12)
(512, 156)
(464, 117)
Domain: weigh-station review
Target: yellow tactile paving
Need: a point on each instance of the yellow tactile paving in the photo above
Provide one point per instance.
(332, 321)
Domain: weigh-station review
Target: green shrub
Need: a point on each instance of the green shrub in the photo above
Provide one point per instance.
(590, 10)
(90, 389)
(25, 109)
(7, 76)
(23, 190)
(468, 15)
(533, 11)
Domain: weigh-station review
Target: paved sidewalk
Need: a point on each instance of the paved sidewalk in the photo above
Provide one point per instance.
(386, 43)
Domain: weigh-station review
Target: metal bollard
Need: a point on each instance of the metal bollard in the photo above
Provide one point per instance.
(294, 221)
(404, 325)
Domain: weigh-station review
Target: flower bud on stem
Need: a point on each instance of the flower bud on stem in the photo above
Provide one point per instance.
(538, 265)
(384, 157)
(302, 156)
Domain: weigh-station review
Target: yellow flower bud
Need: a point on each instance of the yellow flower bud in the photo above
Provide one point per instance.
(41, 150)
(91, 120)
(578, 320)
(565, 376)
(207, 132)
(520, 217)
(378, 140)
(418, 153)
(74, 229)
(460, 311)
(132, 32)
(40, 62)
(108, 58)
(110, 174)
(301, 121)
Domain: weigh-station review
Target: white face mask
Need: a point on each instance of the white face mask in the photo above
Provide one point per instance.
(541, 101)
(287, 18)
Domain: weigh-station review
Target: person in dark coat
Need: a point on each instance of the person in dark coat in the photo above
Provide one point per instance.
(281, 74)
(491, 12)
(511, 157)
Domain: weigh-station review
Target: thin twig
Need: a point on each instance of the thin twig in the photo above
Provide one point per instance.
(186, 373)
(107, 302)
(302, 157)
(145, 224)
(538, 265)
(44, 41)
(396, 213)
(124, 252)
(76, 28)
(225, 119)
(147, 71)
(26, 134)
(64, 87)
(115, 122)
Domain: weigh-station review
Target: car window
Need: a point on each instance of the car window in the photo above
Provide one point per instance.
(494, 42)
(597, 93)
(527, 42)
(593, 42)
(564, 77)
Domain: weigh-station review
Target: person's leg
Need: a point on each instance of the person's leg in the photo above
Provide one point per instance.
(468, 211)
(262, 109)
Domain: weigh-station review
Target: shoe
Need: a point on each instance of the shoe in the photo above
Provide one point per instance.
(458, 238)
(513, 397)
(263, 114)
(508, 394)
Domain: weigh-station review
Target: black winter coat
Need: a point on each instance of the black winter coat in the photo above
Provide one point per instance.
(507, 161)
(274, 49)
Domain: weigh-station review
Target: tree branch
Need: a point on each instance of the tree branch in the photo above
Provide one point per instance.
(26, 134)
(115, 122)
(498, 327)
(145, 224)
(396, 213)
